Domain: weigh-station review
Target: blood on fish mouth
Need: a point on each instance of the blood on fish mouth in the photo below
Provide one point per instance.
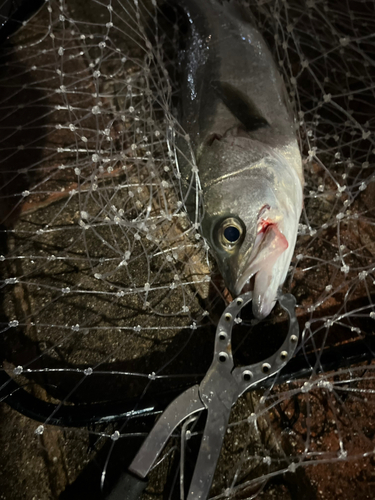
(264, 224)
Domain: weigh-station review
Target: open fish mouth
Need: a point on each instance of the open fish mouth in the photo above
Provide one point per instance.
(264, 271)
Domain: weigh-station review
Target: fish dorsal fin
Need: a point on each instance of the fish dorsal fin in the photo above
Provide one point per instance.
(240, 106)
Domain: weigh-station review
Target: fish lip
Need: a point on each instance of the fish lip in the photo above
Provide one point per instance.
(248, 271)
(236, 278)
(243, 280)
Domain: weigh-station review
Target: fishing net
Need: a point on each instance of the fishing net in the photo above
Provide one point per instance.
(110, 296)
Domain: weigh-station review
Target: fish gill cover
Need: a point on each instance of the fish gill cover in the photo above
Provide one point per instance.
(109, 294)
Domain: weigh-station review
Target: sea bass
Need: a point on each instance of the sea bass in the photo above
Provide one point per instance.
(234, 108)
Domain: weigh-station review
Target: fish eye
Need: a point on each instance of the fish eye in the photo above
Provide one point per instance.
(230, 232)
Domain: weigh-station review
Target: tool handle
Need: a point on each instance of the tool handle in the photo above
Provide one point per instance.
(182, 407)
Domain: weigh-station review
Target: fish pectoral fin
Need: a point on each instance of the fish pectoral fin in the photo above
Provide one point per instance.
(240, 105)
(267, 280)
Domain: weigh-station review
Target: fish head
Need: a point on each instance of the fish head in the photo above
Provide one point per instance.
(250, 223)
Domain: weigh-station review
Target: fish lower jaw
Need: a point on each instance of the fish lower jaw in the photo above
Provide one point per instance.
(264, 288)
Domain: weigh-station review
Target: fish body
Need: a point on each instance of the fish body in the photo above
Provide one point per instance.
(234, 108)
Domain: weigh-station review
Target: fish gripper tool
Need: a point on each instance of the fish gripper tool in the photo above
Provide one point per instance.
(222, 385)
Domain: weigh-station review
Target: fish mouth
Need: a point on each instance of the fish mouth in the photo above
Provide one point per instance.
(264, 271)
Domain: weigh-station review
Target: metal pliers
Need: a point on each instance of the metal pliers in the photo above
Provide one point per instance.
(217, 393)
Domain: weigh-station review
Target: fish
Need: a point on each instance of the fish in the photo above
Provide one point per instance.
(239, 152)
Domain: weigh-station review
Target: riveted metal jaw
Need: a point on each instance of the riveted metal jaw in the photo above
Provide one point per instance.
(247, 376)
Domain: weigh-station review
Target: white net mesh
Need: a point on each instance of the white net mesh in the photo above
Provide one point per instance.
(108, 290)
